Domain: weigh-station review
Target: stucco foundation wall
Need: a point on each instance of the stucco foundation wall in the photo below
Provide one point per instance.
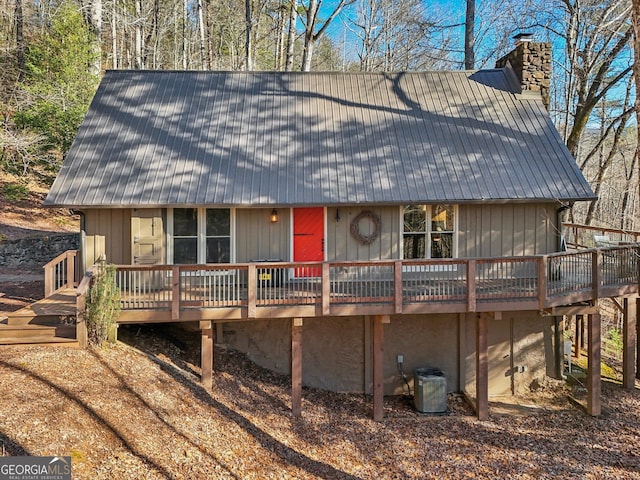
(520, 351)
(336, 351)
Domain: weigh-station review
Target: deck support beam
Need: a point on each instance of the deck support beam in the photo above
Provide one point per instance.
(296, 367)
(579, 338)
(628, 345)
(378, 366)
(594, 387)
(482, 367)
(206, 354)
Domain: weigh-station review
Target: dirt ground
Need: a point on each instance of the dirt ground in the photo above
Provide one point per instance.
(25, 217)
(137, 410)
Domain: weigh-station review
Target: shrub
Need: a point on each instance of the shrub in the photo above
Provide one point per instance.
(15, 191)
(103, 305)
(614, 341)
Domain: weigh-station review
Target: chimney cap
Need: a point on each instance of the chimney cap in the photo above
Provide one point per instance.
(523, 37)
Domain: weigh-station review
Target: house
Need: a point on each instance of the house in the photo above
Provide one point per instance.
(326, 223)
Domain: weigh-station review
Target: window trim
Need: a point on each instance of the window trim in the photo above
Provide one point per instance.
(202, 234)
(428, 232)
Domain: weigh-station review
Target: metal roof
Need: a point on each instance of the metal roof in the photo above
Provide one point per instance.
(158, 138)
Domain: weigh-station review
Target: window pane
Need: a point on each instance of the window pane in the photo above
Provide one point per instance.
(185, 250)
(414, 246)
(185, 222)
(218, 222)
(414, 219)
(442, 245)
(218, 250)
(442, 218)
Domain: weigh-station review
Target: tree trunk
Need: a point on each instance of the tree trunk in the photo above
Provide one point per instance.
(635, 21)
(248, 43)
(291, 40)
(469, 36)
(114, 36)
(138, 45)
(204, 58)
(19, 19)
(307, 53)
(185, 45)
(95, 27)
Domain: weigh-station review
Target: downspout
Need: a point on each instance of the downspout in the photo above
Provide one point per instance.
(562, 245)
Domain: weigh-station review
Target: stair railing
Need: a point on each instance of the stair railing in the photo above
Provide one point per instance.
(60, 273)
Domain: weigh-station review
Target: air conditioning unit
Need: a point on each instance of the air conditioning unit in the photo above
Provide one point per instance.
(429, 390)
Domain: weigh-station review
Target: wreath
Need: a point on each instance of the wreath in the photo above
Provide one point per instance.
(355, 227)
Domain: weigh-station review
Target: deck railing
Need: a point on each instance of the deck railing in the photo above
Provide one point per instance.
(387, 286)
(59, 273)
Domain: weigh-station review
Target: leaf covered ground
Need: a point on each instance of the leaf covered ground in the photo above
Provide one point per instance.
(136, 410)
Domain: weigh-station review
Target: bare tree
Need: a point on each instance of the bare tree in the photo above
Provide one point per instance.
(315, 28)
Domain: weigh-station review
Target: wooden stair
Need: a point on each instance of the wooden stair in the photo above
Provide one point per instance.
(50, 321)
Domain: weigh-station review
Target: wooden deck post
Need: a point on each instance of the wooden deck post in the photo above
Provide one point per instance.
(296, 367)
(397, 282)
(175, 293)
(471, 285)
(594, 386)
(206, 358)
(482, 368)
(82, 334)
(378, 366)
(326, 289)
(252, 285)
(71, 268)
(628, 345)
(637, 338)
(579, 341)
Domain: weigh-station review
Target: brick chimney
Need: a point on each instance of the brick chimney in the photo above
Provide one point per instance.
(531, 63)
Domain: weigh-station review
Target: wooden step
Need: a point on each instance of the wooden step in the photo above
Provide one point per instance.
(26, 331)
(41, 341)
(31, 319)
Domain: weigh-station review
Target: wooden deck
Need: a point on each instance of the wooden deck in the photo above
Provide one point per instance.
(235, 292)
(567, 283)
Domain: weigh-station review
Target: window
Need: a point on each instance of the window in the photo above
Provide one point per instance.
(200, 235)
(428, 231)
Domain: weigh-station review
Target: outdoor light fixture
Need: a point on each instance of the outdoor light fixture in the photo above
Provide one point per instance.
(337, 214)
(274, 216)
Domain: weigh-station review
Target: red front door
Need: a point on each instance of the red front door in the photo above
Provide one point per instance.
(308, 239)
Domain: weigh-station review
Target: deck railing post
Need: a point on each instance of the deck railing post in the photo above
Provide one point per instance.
(71, 268)
(81, 322)
(326, 289)
(471, 285)
(48, 280)
(175, 293)
(397, 280)
(596, 272)
(251, 290)
(543, 269)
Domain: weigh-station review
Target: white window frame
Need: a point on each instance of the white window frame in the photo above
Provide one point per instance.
(428, 233)
(202, 234)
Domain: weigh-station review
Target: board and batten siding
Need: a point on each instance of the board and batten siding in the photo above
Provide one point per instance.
(341, 246)
(499, 230)
(108, 233)
(257, 238)
(506, 230)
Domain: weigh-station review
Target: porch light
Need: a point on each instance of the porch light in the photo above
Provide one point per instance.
(274, 216)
